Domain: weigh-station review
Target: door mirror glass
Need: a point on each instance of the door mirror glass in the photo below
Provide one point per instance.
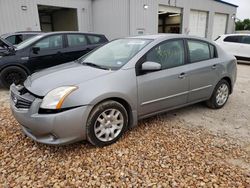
(35, 50)
(151, 66)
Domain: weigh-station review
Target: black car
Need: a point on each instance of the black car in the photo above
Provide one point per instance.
(43, 51)
(18, 37)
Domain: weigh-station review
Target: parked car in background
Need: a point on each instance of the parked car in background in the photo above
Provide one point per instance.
(109, 89)
(5, 47)
(236, 44)
(43, 51)
(18, 37)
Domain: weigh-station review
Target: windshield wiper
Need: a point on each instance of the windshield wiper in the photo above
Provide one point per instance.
(94, 65)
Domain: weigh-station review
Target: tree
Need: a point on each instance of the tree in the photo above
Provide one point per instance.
(243, 25)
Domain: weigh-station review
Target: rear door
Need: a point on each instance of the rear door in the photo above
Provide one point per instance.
(49, 53)
(77, 46)
(245, 47)
(203, 69)
(232, 44)
(166, 88)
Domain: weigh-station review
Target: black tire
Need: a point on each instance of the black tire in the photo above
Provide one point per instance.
(12, 75)
(92, 120)
(212, 102)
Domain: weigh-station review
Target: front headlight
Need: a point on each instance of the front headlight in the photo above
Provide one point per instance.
(55, 98)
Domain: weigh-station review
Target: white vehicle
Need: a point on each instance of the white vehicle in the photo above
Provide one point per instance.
(236, 44)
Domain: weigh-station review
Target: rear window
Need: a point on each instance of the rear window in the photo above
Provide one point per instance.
(27, 36)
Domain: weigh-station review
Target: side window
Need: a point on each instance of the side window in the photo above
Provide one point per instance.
(76, 40)
(51, 42)
(94, 39)
(169, 54)
(245, 40)
(198, 51)
(235, 39)
(213, 51)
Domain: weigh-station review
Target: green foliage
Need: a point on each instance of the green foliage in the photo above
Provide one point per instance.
(243, 25)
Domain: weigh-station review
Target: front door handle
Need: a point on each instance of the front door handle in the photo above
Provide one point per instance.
(214, 66)
(182, 75)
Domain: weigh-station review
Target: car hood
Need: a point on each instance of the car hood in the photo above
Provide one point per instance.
(73, 73)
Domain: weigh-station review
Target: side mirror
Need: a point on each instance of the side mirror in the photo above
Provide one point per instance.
(35, 50)
(151, 66)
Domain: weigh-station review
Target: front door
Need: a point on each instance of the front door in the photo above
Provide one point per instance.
(166, 88)
(47, 52)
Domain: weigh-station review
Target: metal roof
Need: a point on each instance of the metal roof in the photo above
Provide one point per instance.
(220, 1)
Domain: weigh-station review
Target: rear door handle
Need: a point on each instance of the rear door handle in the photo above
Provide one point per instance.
(214, 66)
(182, 75)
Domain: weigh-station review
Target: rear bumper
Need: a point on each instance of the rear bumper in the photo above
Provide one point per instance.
(54, 129)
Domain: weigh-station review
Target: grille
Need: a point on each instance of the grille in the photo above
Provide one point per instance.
(22, 98)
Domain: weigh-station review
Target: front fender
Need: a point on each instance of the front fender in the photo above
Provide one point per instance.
(122, 84)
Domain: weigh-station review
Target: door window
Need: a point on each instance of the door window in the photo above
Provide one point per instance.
(236, 39)
(76, 40)
(198, 51)
(94, 39)
(51, 42)
(169, 54)
(245, 40)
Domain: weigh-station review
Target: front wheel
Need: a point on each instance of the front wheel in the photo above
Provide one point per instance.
(220, 95)
(11, 75)
(106, 123)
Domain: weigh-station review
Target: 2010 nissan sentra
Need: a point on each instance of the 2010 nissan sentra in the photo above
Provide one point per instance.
(101, 95)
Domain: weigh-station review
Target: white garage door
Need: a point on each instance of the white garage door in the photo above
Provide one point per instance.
(220, 25)
(198, 23)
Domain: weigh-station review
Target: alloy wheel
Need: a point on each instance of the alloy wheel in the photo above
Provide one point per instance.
(222, 94)
(108, 125)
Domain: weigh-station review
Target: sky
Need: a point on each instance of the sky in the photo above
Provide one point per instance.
(243, 10)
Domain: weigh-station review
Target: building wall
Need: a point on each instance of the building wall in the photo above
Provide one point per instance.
(13, 18)
(118, 18)
(111, 17)
(114, 18)
(210, 6)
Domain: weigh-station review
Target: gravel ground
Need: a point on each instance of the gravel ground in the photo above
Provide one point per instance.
(194, 146)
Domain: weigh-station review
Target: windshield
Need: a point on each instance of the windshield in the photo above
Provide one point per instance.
(27, 42)
(4, 44)
(116, 53)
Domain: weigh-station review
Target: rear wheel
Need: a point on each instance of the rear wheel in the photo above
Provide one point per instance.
(12, 75)
(106, 123)
(220, 95)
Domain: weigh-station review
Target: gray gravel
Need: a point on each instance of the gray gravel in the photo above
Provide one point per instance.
(194, 146)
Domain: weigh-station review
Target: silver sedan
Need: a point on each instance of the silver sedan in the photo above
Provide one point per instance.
(99, 96)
